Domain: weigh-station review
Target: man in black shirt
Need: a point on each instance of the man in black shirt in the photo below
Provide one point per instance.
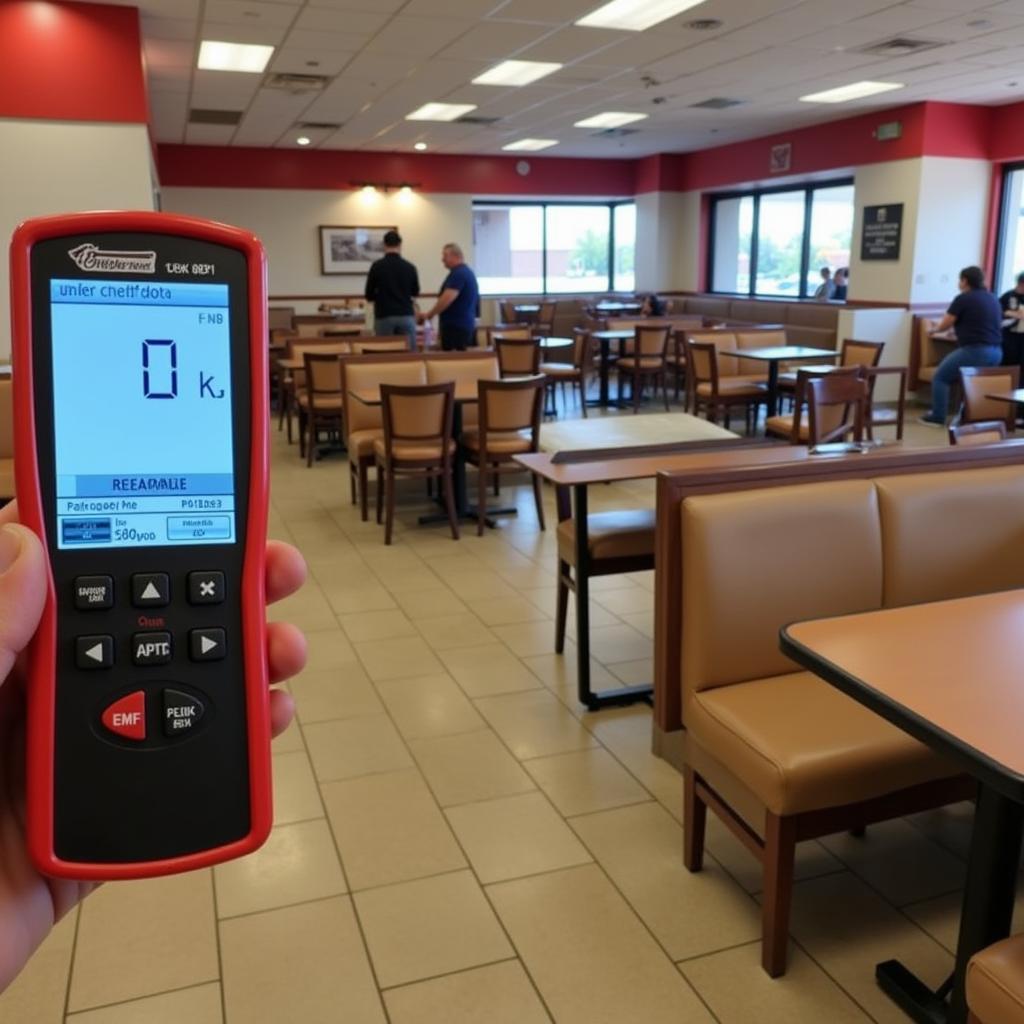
(391, 285)
(1013, 316)
(977, 319)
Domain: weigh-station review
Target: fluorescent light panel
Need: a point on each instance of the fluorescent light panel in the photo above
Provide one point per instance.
(636, 15)
(516, 72)
(530, 145)
(610, 119)
(219, 56)
(440, 112)
(854, 91)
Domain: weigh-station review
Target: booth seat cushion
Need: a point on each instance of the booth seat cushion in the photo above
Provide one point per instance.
(361, 442)
(558, 369)
(782, 426)
(499, 442)
(995, 983)
(625, 534)
(645, 362)
(800, 745)
(410, 450)
(734, 387)
(324, 403)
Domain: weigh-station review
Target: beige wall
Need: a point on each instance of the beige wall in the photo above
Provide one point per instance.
(49, 167)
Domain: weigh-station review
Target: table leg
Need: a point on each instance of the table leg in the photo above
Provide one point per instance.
(773, 387)
(987, 911)
(602, 399)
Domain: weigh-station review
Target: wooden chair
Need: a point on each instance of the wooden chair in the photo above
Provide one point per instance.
(517, 357)
(510, 413)
(836, 403)
(293, 381)
(676, 364)
(978, 381)
(645, 361)
(545, 323)
(796, 426)
(707, 390)
(885, 417)
(574, 373)
(320, 401)
(982, 432)
(851, 353)
(377, 345)
(507, 311)
(417, 442)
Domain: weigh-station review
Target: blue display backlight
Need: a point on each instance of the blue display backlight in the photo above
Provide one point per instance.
(142, 413)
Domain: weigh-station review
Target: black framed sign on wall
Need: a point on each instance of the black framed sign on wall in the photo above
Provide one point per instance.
(880, 234)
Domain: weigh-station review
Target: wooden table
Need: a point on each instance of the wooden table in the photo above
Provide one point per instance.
(606, 432)
(619, 307)
(320, 350)
(779, 354)
(465, 391)
(605, 339)
(949, 674)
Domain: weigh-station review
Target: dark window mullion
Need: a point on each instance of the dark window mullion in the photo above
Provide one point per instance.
(755, 237)
(805, 252)
(611, 246)
(544, 248)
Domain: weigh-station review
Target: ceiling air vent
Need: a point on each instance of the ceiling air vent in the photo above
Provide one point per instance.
(900, 46)
(703, 24)
(225, 117)
(318, 126)
(296, 84)
(469, 119)
(717, 103)
(614, 133)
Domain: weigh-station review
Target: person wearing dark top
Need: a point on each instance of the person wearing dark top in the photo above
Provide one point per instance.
(976, 317)
(457, 304)
(1012, 303)
(653, 306)
(391, 285)
(840, 284)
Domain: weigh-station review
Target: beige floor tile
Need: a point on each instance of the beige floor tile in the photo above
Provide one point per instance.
(451, 631)
(309, 607)
(515, 836)
(585, 781)
(36, 995)
(290, 741)
(485, 671)
(534, 723)
(558, 673)
(355, 746)
(897, 860)
(470, 766)
(362, 626)
(140, 938)
(733, 984)
(405, 579)
(432, 926)
(642, 622)
(634, 673)
(304, 963)
(528, 639)
(482, 583)
(627, 600)
(296, 797)
(296, 864)
(389, 829)
(429, 706)
(328, 649)
(614, 644)
(950, 827)
(426, 604)
(347, 599)
(454, 564)
(529, 576)
(641, 849)
(589, 955)
(497, 994)
(199, 1005)
(940, 917)
(848, 929)
(506, 611)
(335, 693)
(398, 659)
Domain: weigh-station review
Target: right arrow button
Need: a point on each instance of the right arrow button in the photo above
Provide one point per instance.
(207, 645)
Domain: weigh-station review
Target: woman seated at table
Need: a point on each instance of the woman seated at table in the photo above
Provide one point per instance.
(652, 306)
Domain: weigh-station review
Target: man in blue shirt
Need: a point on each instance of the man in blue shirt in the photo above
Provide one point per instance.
(457, 303)
(976, 317)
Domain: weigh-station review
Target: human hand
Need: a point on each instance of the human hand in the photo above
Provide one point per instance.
(30, 904)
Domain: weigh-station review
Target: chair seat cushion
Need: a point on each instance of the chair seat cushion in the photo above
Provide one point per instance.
(782, 426)
(410, 451)
(995, 983)
(643, 363)
(559, 370)
(801, 745)
(733, 387)
(324, 403)
(504, 442)
(625, 534)
(360, 442)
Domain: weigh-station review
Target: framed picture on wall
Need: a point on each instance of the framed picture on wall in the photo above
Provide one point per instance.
(347, 249)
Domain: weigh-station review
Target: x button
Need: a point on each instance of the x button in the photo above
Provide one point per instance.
(206, 588)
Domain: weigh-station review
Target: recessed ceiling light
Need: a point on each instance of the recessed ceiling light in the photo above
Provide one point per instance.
(530, 145)
(636, 15)
(218, 56)
(440, 112)
(420, 146)
(302, 140)
(516, 72)
(854, 91)
(609, 119)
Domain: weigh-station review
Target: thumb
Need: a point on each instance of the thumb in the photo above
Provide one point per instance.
(23, 584)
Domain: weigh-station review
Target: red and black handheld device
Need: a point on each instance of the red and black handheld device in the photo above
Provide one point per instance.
(139, 366)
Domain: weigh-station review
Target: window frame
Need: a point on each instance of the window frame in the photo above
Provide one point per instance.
(1004, 209)
(610, 204)
(808, 188)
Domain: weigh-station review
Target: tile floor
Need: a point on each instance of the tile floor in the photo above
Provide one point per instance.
(456, 842)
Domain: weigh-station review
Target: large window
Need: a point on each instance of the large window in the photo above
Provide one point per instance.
(1010, 251)
(554, 247)
(775, 241)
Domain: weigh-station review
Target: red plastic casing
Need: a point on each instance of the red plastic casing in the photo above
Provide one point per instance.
(41, 655)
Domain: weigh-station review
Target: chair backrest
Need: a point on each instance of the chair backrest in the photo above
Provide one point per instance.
(360, 375)
(298, 347)
(506, 311)
(279, 336)
(701, 363)
(801, 392)
(323, 376)
(513, 332)
(872, 374)
(724, 341)
(758, 339)
(511, 405)
(418, 412)
(582, 349)
(860, 353)
(6, 419)
(546, 316)
(835, 407)
(385, 343)
(652, 342)
(280, 317)
(982, 432)
(979, 381)
(517, 356)
(467, 370)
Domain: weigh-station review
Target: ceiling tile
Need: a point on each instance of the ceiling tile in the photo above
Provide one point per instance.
(263, 35)
(249, 12)
(493, 41)
(209, 134)
(362, 23)
(406, 37)
(545, 11)
(181, 29)
(309, 62)
(318, 39)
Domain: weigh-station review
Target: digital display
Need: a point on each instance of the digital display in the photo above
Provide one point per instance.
(142, 413)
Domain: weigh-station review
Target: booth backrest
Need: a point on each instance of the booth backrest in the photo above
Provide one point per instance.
(470, 368)
(724, 341)
(6, 420)
(359, 374)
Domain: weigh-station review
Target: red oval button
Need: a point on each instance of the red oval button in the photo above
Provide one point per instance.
(127, 716)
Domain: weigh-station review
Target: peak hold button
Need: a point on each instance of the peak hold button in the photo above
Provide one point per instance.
(181, 712)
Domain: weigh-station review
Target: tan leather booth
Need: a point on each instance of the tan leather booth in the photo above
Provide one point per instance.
(926, 352)
(995, 983)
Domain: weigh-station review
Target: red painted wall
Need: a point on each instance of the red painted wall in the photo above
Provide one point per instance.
(242, 167)
(76, 62)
